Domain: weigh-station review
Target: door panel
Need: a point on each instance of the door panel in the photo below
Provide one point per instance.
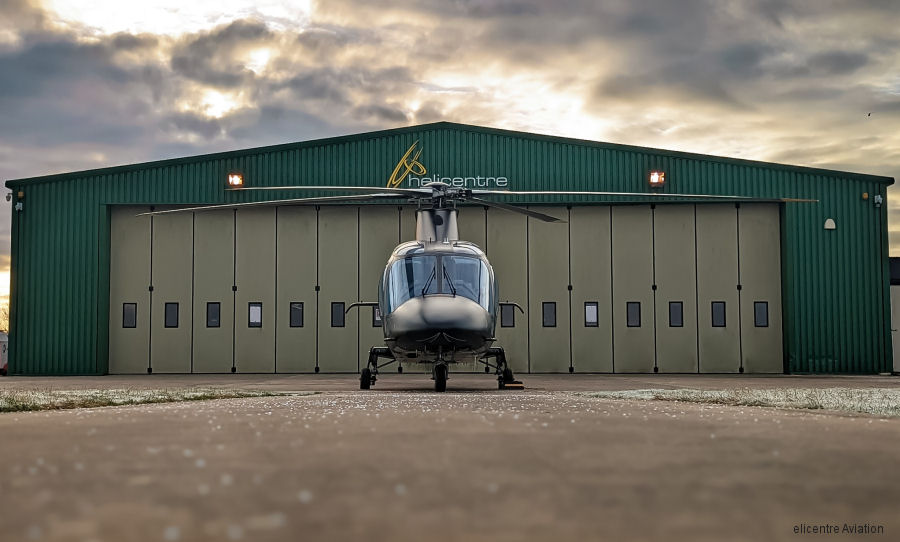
(507, 248)
(339, 282)
(471, 221)
(548, 277)
(213, 279)
(676, 280)
(170, 347)
(295, 347)
(591, 283)
(377, 238)
(129, 279)
(760, 249)
(632, 243)
(717, 277)
(254, 347)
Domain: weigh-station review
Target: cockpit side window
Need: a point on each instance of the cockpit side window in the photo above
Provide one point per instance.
(411, 277)
(467, 277)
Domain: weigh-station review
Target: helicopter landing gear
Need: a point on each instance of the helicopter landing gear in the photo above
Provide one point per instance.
(505, 378)
(440, 376)
(369, 374)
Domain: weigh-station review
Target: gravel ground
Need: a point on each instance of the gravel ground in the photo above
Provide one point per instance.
(477, 465)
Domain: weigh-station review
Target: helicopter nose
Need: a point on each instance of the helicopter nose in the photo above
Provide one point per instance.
(440, 313)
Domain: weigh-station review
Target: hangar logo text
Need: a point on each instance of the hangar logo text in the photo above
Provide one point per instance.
(409, 168)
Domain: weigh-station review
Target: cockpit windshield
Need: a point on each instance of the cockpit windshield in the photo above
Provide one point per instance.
(446, 275)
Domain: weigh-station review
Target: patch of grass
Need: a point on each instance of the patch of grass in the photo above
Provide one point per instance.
(28, 400)
(878, 401)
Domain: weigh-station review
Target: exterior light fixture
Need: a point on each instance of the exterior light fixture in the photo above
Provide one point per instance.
(829, 224)
(657, 179)
(235, 180)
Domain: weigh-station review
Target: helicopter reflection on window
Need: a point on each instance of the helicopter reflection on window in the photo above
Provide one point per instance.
(446, 275)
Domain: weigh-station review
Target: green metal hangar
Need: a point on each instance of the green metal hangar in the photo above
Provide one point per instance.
(630, 284)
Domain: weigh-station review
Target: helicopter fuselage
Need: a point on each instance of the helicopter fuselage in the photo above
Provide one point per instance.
(438, 301)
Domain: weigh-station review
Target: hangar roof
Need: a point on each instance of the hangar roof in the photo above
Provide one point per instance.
(452, 126)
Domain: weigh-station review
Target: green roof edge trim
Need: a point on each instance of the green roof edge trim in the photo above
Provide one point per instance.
(432, 127)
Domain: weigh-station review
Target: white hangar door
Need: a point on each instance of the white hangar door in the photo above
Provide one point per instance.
(254, 329)
(379, 233)
(338, 253)
(548, 279)
(213, 281)
(675, 277)
(632, 285)
(171, 309)
(129, 294)
(295, 287)
(507, 250)
(760, 294)
(590, 249)
(717, 289)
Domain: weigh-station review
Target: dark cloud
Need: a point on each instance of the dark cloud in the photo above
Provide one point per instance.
(191, 123)
(837, 62)
(381, 113)
(429, 112)
(209, 58)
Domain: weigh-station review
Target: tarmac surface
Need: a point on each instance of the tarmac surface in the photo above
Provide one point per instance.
(401, 462)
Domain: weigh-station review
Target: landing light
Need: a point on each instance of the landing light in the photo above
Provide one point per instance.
(235, 180)
(657, 179)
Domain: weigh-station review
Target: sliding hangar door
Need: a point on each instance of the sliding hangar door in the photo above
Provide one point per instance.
(669, 288)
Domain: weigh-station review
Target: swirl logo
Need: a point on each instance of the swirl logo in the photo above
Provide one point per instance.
(408, 165)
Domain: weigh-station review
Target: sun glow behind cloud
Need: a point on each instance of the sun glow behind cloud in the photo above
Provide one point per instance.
(176, 17)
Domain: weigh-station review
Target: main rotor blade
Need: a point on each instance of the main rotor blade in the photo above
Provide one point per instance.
(277, 202)
(632, 194)
(416, 192)
(513, 208)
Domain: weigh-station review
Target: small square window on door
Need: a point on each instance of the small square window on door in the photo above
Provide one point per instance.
(376, 317)
(633, 313)
(761, 313)
(213, 314)
(548, 313)
(254, 314)
(337, 314)
(718, 314)
(129, 314)
(171, 315)
(676, 314)
(507, 316)
(591, 314)
(296, 316)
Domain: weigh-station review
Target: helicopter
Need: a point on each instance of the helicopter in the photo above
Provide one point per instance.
(438, 296)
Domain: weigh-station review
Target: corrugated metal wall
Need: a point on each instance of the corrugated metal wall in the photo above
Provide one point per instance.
(836, 296)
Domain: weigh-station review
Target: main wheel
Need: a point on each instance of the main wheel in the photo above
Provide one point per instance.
(365, 379)
(440, 378)
(508, 375)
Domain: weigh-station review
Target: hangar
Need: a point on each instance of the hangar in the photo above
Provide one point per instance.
(633, 284)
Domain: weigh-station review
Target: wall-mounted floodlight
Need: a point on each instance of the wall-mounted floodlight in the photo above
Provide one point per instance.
(829, 224)
(657, 179)
(235, 180)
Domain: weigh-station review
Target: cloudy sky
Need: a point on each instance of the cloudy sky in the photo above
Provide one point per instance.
(104, 83)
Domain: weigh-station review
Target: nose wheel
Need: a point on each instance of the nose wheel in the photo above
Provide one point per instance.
(440, 377)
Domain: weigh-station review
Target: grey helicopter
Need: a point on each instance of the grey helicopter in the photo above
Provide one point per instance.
(438, 296)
